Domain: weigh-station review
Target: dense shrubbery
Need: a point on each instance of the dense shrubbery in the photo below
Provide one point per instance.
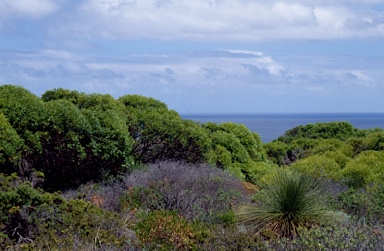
(334, 130)
(197, 192)
(134, 175)
(76, 137)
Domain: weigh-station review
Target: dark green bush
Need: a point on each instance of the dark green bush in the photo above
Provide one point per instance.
(94, 101)
(276, 151)
(234, 148)
(336, 130)
(25, 113)
(161, 134)
(11, 145)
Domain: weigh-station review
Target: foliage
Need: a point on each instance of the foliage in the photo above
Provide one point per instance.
(364, 170)
(350, 236)
(87, 145)
(161, 134)
(249, 140)
(229, 238)
(36, 220)
(336, 130)
(276, 151)
(165, 230)
(25, 113)
(110, 143)
(255, 171)
(101, 102)
(234, 148)
(288, 201)
(11, 145)
(72, 137)
(318, 166)
(195, 191)
(23, 110)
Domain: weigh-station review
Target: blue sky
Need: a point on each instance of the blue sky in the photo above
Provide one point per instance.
(201, 56)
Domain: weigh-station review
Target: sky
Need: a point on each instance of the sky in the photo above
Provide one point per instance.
(201, 56)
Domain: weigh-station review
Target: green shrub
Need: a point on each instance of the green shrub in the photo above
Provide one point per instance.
(161, 134)
(26, 115)
(372, 140)
(336, 130)
(276, 151)
(249, 140)
(11, 145)
(255, 171)
(100, 102)
(318, 166)
(234, 147)
(365, 169)
(363, 203)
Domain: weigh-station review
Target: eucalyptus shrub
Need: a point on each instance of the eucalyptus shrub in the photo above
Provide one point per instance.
(25, 113)
(234, 148)
(318, 166)
(11, 145)
(337, 130)
(93, 101)
(161, 134)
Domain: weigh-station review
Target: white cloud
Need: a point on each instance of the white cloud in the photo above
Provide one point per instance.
(219, 79)
(229, 20)
(27, 8)
(174, 73)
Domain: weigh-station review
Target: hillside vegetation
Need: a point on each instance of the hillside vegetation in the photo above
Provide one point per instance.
(90, 172)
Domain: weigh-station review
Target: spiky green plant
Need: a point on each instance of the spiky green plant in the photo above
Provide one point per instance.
(287, 201)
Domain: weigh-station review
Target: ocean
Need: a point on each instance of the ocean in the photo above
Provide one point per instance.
(271, 126)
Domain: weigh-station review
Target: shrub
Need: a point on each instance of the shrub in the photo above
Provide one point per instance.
(276, 151)
(318, 166)
(36, 220)
(25, 113)
(11, 145)
(350, 236)
(194, 191)
(255, 171)
(165, 230)
(286, 202)
(161, 134)
(234, 147)
(337, 130)
(366, 169)
(251, 141)
(372, 140)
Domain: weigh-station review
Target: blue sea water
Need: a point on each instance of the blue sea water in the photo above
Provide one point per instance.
(271, 126)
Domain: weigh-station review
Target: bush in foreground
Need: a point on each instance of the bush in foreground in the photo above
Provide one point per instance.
(287, 201)
(195, 191)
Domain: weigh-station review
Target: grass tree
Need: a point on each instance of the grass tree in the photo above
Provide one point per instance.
(286, 202)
